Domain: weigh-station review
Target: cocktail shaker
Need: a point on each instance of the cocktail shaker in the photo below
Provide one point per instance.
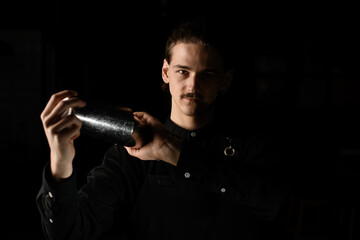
(109, 123)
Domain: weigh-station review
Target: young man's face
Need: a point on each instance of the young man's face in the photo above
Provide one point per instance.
(195, 77)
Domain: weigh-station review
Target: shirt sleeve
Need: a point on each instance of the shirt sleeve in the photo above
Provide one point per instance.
(69, 213)
(56, 203)
(254, 177)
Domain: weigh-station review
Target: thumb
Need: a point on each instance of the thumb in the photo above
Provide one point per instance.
(132, 151)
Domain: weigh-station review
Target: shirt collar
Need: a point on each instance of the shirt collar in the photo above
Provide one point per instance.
(175, 129)
(182, 133)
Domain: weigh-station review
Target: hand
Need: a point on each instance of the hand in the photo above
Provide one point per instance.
(61, 130)
(163, 146)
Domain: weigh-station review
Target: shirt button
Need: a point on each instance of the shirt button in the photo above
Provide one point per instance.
(187, 175)
(193, 134)
(223, 190)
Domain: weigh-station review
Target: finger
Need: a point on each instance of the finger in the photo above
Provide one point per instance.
(143, 116)
(54, 99)
(63, 106)
(58, 111)
(138, 120)
(125, 109)
(71, 133)
(68, 134)
(149, 119)
(139, 115)
(65, 130)
(65, 123)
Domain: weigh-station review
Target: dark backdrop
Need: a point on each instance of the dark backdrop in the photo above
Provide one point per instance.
(296, 74)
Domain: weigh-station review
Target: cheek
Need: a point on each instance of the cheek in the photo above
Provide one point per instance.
(211, 96)
(176, 86)
(174, 89)
(212, 90)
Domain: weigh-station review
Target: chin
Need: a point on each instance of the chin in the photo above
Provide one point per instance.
(193, 110)
(189, 113)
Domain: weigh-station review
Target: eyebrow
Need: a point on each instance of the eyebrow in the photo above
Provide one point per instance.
(182, 66)
(209, 70)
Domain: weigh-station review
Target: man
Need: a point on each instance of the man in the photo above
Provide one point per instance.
(196, 178)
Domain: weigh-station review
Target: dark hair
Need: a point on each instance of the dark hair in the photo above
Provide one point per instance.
(205, 31)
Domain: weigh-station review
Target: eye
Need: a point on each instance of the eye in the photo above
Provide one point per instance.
(182, 72)
(207, 75)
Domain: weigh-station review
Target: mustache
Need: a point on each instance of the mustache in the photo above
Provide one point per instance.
(194, 95)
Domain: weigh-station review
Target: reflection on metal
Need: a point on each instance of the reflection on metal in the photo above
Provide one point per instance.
(112, 124)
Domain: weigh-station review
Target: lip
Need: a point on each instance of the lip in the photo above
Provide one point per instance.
(192, 99)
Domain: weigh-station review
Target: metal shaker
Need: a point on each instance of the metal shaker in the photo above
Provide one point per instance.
(109, 123)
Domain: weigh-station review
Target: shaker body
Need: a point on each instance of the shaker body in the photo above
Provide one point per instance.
(108, 123)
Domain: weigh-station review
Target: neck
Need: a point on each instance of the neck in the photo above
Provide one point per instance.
(194, 121)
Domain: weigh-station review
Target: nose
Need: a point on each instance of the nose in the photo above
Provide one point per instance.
(193, 83)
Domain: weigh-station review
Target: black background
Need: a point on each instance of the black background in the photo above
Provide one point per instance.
(296, 73)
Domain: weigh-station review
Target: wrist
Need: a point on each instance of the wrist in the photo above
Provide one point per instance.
(172, 151)
(60, 170)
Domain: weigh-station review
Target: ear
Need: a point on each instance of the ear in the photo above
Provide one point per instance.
(165, 69)
(226, 81)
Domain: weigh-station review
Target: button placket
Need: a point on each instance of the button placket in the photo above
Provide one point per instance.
(49, 204)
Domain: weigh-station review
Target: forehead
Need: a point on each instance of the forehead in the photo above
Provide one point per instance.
(196, 56)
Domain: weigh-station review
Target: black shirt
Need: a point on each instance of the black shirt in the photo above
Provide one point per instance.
(208, 195)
